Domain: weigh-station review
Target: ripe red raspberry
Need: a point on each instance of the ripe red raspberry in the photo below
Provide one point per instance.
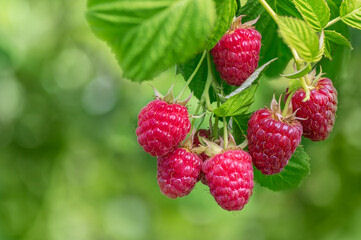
(178, 172)
(236, 55)
(272, 140)
(318, 113)
(162, 126)
(230, 178)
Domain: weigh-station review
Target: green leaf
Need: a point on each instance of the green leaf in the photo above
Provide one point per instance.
(298, 35)
(290, 177)
(149, 36)
(226, 10)
(238, 104)
(350, 13)
(315, 12)
(240, 127)
(199, 81)
(239, 100)
(328, 50)
(300, 73)
(337, 38)
(251, 79)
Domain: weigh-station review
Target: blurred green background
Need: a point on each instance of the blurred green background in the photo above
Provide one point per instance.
(71, 169)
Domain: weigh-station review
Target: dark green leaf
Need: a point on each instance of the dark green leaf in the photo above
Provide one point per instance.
(240, 126)
(238, 104)
(290, 177)
(226, 10)
(251, 79)
(199, 80)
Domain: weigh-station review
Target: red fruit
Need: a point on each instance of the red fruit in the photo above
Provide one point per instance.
(236, 55)
(318, 113)
(230, 178)
(162, 126)
(178, 172)
(272, 140)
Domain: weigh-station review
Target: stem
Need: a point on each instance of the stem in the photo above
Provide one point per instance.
(333, 21)
(225, 133)
(286, 107)
(269, 10)
(192, 75)
(205, 94)
(196, 112)
(298, 60)
(274, 15)
(306, 88)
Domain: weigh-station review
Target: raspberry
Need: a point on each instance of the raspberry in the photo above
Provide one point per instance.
(318, 113)
(178, 172)
(271, 140)
(162, 126)
(230, 178)
(236, 55)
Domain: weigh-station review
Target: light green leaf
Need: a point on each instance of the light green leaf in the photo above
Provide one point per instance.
(350, 13)
(149, 36)
(251, 79)
(226, 10)
(300, 73)
(315, 12)
(238, 104)
(337, 38)
(298, 35)
(290, 177)
(328, 50)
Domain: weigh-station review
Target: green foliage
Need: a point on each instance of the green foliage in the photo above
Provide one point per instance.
(150, 36)
(290, 177)
(299, 73)
(298, 35)
(240, 126)
(226, 10)
(350, 13)
(337, 38)
(199, 81)
(315, 12)
(237, 104)
(272, 45)
(239, 101)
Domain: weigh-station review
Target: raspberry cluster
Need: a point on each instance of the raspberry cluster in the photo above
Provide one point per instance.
(273, 134)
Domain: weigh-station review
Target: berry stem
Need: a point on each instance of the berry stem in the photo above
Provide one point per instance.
(306, 88)
(286, 108)
(196, 112)
(333, 21)
(274, 15)
(225, 133)
(192, 75)
(205, 95)
(269, 10)
(215, 127)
